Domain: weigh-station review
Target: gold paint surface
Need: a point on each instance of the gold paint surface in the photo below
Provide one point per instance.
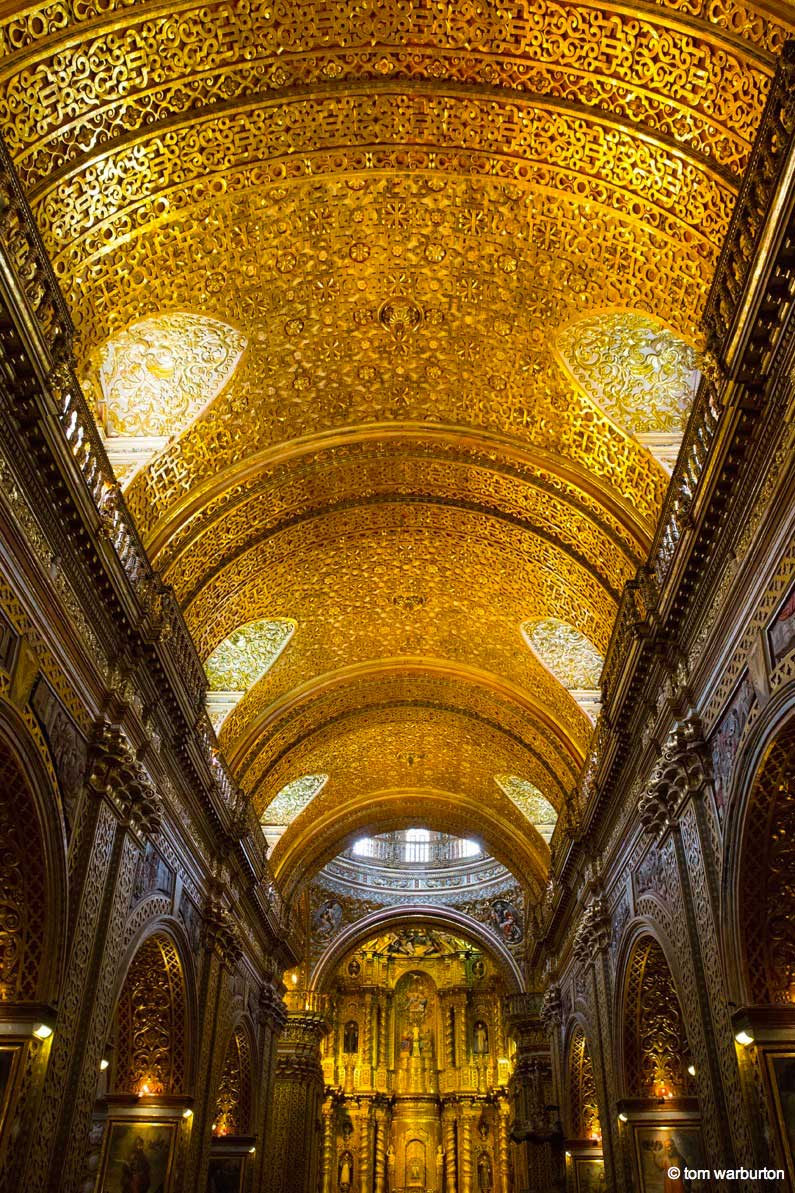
(405, 211)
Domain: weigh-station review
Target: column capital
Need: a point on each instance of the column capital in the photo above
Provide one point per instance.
(593, 935)
(114, 773)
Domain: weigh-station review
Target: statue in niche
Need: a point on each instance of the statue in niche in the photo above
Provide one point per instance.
(345, 1176)
(350, 1040)
(485, 1177)
(480, 1038)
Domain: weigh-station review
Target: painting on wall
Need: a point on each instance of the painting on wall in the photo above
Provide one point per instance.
(590, 1176)
(326, 919)
(725, 739)
(137, 1156)
(781, 1068)
(781, 633)
(663, 1154)
(507, 920)
(9, 1061)
(225, 1174)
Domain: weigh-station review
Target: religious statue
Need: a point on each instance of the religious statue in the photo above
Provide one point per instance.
(480, 1038)
(485, 1179)
(350, 1040)
(345, 1172)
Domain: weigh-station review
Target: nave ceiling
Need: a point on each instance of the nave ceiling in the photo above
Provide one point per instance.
(412, 239)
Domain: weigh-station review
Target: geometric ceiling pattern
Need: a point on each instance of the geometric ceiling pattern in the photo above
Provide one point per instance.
(463, 247)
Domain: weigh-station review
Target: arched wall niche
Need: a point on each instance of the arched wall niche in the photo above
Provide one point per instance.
(33, 886)
(389, 917)
(151, 1022)
(582, 1110)
(758, 887)
(655, 1050)
(234, 1102)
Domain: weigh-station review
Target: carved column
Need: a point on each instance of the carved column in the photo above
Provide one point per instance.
(465, 1127)
(366, 1050)
(365, 1150)
(222, 952)
(292, 1149)
(380, 1147)
(117, 810)
(448, 1129)
(534, 1127)
(503, 1149)
(590, 949)
(328, 1146)
(272, 1017)
(677, 803)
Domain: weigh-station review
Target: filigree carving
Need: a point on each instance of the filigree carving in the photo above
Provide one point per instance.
(23, 886)
(656, 1051)
(114, 773)
(150, 1022)
(583, 1108)
(233, 1103)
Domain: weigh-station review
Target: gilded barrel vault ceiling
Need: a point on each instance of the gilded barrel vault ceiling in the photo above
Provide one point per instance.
(451, 259)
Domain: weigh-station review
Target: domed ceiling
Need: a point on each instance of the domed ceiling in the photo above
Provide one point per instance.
(428, 277)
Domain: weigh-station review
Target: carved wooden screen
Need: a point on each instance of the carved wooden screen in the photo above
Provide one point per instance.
(23, 885)
(150, 1020)
(583, 1110)
(656, 1052)
(233, 1104)
(767, 888)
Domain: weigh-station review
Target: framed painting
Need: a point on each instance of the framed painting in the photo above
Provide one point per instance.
(663, 1154)
(9, 1061)
(725, 740)
(590, 1176)
(226, 1174)
(781, 1071)
(137, 1156)
(781, 632)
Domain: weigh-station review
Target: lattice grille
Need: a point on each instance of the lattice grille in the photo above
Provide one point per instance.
(656, 1051)
(767, 886)
(150, 1021)
(233, 1104)
(22, 885)
(583, 1110)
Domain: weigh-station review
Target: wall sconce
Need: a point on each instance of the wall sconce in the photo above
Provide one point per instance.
(103, 1064)
(691, 1068)
(187, 1112)
(622, 1118)
(42, 1031)
(744, 1036)
(251, 1151)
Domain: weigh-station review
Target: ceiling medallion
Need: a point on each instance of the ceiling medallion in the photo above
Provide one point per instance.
(400, 316)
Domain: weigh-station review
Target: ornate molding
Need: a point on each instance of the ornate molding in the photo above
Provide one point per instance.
(115, 774)
(683, 767)
(593, 934)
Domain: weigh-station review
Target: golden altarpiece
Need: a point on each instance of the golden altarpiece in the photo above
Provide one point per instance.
(397, 596)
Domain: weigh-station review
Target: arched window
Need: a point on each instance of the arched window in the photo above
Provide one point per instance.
(418, 845)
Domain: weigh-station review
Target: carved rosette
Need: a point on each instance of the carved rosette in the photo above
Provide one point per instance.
(115, 774)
